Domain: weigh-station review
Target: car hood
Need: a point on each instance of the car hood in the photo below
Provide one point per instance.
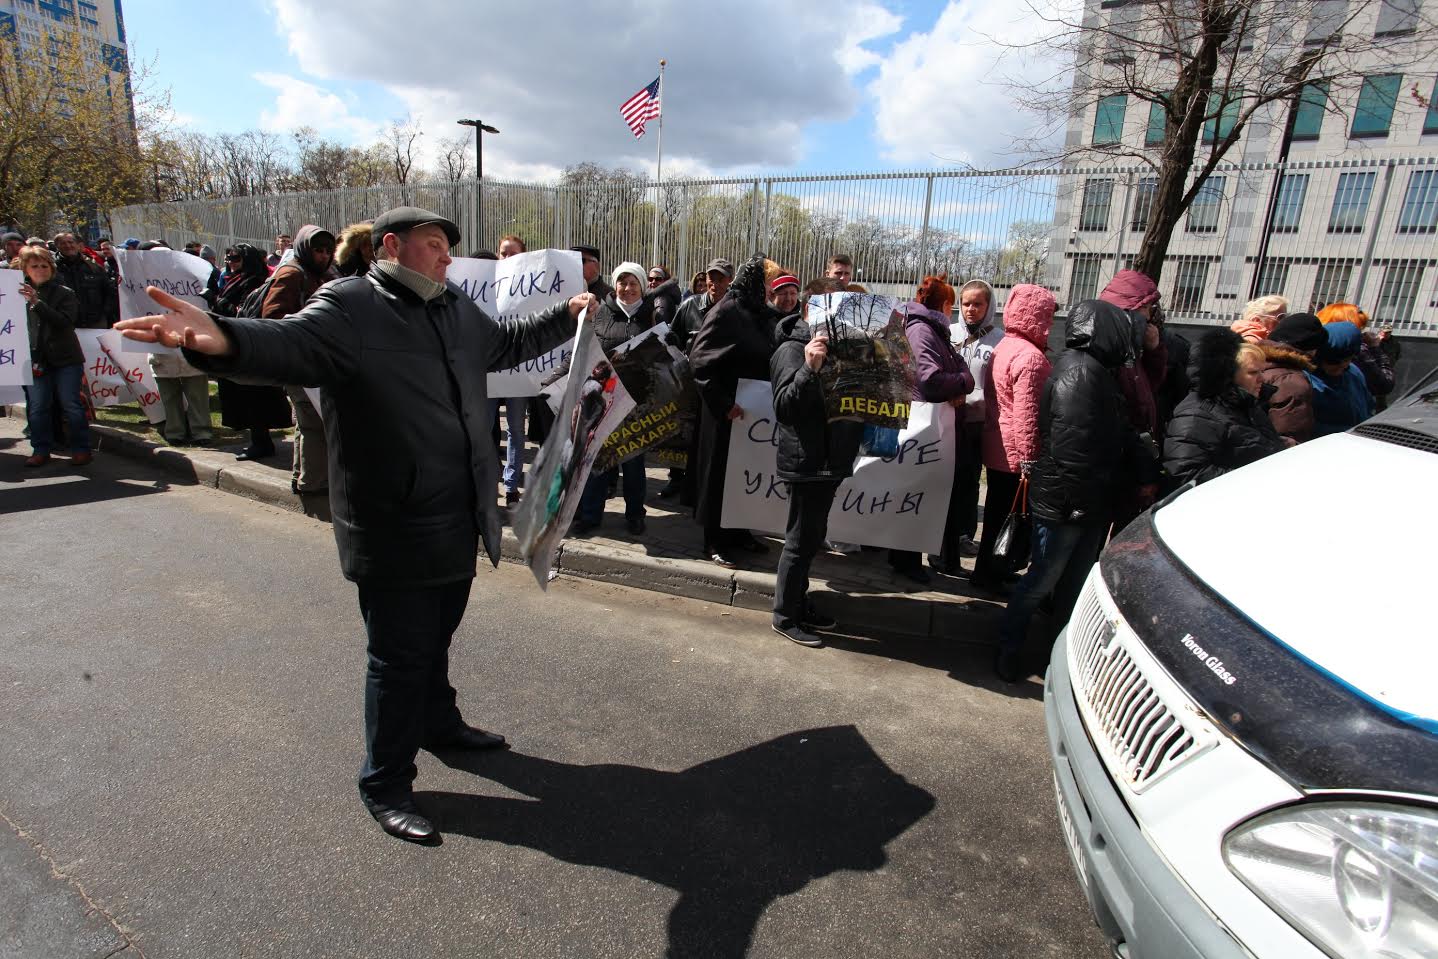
(1337, 565)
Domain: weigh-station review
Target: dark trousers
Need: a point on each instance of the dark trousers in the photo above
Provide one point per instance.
(964, 511)
(408, 700)
(997, 505)
(807, 528)
(1063, 554)
(596, 491)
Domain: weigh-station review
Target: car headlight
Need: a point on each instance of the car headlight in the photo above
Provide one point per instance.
(1359, 879)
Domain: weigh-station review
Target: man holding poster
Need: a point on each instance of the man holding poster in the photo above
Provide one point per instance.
(401, 355)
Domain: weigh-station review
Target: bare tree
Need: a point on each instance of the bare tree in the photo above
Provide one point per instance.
(1206, 69)
(401, 138)
(454, 159)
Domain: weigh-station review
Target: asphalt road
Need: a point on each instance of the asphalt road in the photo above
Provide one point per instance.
(180, 731)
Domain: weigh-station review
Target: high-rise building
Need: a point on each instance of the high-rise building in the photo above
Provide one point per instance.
(1351, 216)
(99, 27)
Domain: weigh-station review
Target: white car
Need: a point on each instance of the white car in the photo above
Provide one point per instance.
(1243, 709)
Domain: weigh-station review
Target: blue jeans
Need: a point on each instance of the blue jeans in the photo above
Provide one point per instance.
(1062, 555)
(408, 700)
(596, 491)
(513, 439)
(39, 409)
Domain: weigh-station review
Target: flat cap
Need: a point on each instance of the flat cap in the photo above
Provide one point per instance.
(11, 235)
(403, 218)
(721, 265)
(587, 251)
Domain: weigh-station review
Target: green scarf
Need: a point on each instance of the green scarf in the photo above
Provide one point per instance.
(422, 286)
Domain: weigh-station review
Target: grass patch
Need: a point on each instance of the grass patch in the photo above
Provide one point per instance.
(130, 418)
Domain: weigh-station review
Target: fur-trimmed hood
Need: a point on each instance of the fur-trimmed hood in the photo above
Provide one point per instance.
(1281, 354)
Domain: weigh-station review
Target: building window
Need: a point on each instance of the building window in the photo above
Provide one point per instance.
(1288, 209)
(1203, 211)
(1097, 197)
(1220, 122)
(1430, 122)
(1108, 120)
(1350, 203)
(1083, 280)
(1308, 115)
(1330, 285)
(1323, 23)
(1143, 195)
(1156, 131)
(1376, 100)
(1396, 18)
(1400, 292)
(1272, 278)
(1188, 288)
(1420, 203)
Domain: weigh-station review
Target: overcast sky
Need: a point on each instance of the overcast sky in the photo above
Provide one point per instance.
(772, 86)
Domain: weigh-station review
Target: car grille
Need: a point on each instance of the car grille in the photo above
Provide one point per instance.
(1145, 738)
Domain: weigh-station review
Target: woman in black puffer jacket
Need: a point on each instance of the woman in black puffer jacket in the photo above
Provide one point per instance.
(1223, 424)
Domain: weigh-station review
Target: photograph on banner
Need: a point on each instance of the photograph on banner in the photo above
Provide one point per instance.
(513, 288)
(897, 502)
(594, 403)
(15, 368)
(656, 375)
(115, 376)
(870, 372)
(178, 273)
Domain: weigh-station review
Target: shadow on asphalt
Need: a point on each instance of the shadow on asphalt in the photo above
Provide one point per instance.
(58, 484)
(730, 835)
(970, 663)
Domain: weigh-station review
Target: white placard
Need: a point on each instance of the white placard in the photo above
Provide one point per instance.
(511, 289)
(900, 503)
(15, 367)
(177, 273)
(114, 375)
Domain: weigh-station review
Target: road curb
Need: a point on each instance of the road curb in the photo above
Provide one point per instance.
(895, 614)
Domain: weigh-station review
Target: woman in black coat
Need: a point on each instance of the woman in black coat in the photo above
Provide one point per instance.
(257, 409)
(734, 343)
(1223, 424)
(51, 311)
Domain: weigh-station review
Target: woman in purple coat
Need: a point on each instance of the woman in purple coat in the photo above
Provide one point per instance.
(940, 376)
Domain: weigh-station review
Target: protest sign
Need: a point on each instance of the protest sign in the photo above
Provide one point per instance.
(114, 375)
(15, 369)
(511, 289)
(12, 395)
(655, 374)
(870, 373)
(898, 502)
(594, 403)
(179, 274)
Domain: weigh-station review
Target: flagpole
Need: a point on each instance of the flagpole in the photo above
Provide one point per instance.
(658, 166)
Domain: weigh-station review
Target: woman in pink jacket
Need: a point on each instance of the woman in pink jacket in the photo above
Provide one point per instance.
(1013, 384)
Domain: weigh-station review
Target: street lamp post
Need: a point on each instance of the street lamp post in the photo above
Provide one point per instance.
(480, 129)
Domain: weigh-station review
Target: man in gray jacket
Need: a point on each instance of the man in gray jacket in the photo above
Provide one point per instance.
(400, 356)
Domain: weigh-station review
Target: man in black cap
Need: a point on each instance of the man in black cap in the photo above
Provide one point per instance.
(400, 356)
(593, 272)
(687, 320)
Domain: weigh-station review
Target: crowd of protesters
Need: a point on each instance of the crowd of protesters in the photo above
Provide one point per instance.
(1080, 442)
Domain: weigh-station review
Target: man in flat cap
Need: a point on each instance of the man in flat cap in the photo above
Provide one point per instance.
(593, 271)
(400, 356)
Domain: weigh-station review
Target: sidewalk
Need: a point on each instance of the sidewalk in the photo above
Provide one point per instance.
(858, 589)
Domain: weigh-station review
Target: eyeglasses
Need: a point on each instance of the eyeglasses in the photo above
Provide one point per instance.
(656, 279)
(233, 258)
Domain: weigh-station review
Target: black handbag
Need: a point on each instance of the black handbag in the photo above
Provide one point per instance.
(1018, 518)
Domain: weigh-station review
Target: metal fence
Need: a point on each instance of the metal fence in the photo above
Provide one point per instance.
(1357, 230)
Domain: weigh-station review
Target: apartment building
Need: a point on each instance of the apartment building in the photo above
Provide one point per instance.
(1352, 215)
(100, 25)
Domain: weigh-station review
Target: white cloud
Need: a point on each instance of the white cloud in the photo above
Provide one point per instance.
(298, 103)
(740, 87)
(946, 95)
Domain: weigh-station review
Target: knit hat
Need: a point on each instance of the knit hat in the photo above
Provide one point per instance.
(1344, 342)
(132, 243)
(629, 266)
(935, 293)
(1302, 331)
(1130, 290)
(782, 280)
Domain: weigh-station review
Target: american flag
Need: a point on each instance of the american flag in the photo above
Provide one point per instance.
(641, 108)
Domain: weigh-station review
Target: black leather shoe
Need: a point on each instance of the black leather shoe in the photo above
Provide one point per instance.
(469, 738)
(1009, 666)
(915, 574)
(250, 453)
(720, 558)
(636, 525)
(404, 820)
(670, 490)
